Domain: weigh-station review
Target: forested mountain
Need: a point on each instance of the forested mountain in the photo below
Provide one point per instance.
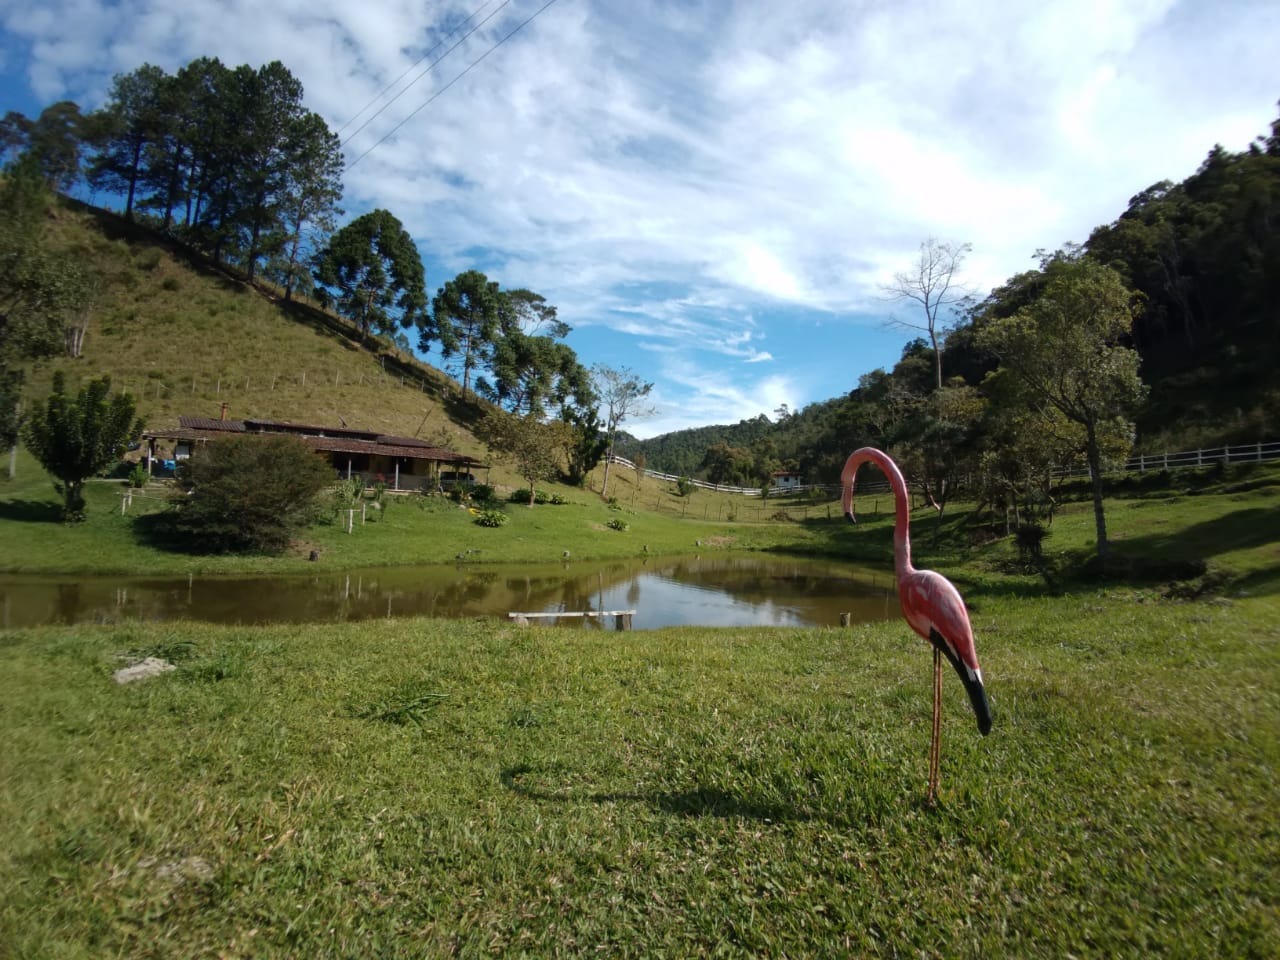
(683, 451)
(1202, 259)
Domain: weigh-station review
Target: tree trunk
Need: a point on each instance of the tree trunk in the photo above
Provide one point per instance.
(937, 357)
(133, 180)
(13, 461)
(608, 462)
(1094, 456)
(289, 279)
(72, 501)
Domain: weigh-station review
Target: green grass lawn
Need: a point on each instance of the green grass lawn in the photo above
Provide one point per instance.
(420, 788)
(1229, 524)
(412, 529)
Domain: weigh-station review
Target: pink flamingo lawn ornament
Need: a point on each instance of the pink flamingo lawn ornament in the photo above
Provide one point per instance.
(932, 606)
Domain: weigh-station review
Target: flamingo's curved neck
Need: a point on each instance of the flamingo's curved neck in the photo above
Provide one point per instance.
(902, 518)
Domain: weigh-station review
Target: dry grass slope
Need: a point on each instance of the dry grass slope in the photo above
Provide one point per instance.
(185, 337)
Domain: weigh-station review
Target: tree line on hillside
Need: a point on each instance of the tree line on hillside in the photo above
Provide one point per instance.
(1160, 329)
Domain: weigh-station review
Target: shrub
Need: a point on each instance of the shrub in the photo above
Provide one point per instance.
(617, 523)
(249, 494)
(138, 476)
(76, 437)
(1030, 540)
(684, 486)
(147, 260)
(347, 493)
(491, 518)
(540, 496)
(481, 492)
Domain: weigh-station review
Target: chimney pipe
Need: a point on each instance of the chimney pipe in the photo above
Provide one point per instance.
(224, 411)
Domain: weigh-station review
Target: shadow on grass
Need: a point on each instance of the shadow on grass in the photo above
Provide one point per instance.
(708, 801)
(697, 802)
(30, 511)
(1239, 530)
(156, 530)
(1260, 583)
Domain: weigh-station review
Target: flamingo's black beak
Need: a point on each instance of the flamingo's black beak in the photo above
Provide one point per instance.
(978, 697)
(972, 680)
(848, 515)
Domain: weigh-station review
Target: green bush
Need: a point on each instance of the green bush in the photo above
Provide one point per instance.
(491, 518)
(684, 486)
(138, 476)
(540, 496)
(248, 494)
(617, 523)
(347, 493)
(481, 492)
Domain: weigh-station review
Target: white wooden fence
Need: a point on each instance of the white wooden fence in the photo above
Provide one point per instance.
(1204, 457)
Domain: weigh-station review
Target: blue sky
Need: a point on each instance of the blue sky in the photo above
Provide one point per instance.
(714, 194)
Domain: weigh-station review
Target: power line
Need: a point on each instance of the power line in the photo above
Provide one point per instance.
(383, 92)
(461, 40)
(435, 96)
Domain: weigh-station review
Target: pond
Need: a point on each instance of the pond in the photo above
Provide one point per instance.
(723, 590)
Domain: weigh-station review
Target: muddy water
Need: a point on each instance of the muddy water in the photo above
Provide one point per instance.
(742, 590)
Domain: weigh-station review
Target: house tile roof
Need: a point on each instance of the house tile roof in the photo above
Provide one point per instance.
(211, 423)
(322, 438)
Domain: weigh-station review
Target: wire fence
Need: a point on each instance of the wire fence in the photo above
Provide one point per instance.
(775, 507)
(1258, 452)
(774, 491)
(230, 385)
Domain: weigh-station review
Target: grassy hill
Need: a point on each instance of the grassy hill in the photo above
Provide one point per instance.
(184, 337)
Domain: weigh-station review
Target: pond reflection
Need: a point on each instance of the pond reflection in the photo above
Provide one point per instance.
(723, 590)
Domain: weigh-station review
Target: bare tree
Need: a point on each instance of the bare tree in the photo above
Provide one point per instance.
(934, 284)
(623, 394)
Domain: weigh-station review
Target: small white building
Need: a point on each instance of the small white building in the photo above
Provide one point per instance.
(786, 480)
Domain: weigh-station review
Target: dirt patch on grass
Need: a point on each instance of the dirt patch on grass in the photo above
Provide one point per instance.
(718, 541)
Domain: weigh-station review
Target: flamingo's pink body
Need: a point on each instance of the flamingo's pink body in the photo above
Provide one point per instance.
(931, 605)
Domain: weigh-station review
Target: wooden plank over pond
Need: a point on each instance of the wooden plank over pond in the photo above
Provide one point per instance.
(621, 618)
